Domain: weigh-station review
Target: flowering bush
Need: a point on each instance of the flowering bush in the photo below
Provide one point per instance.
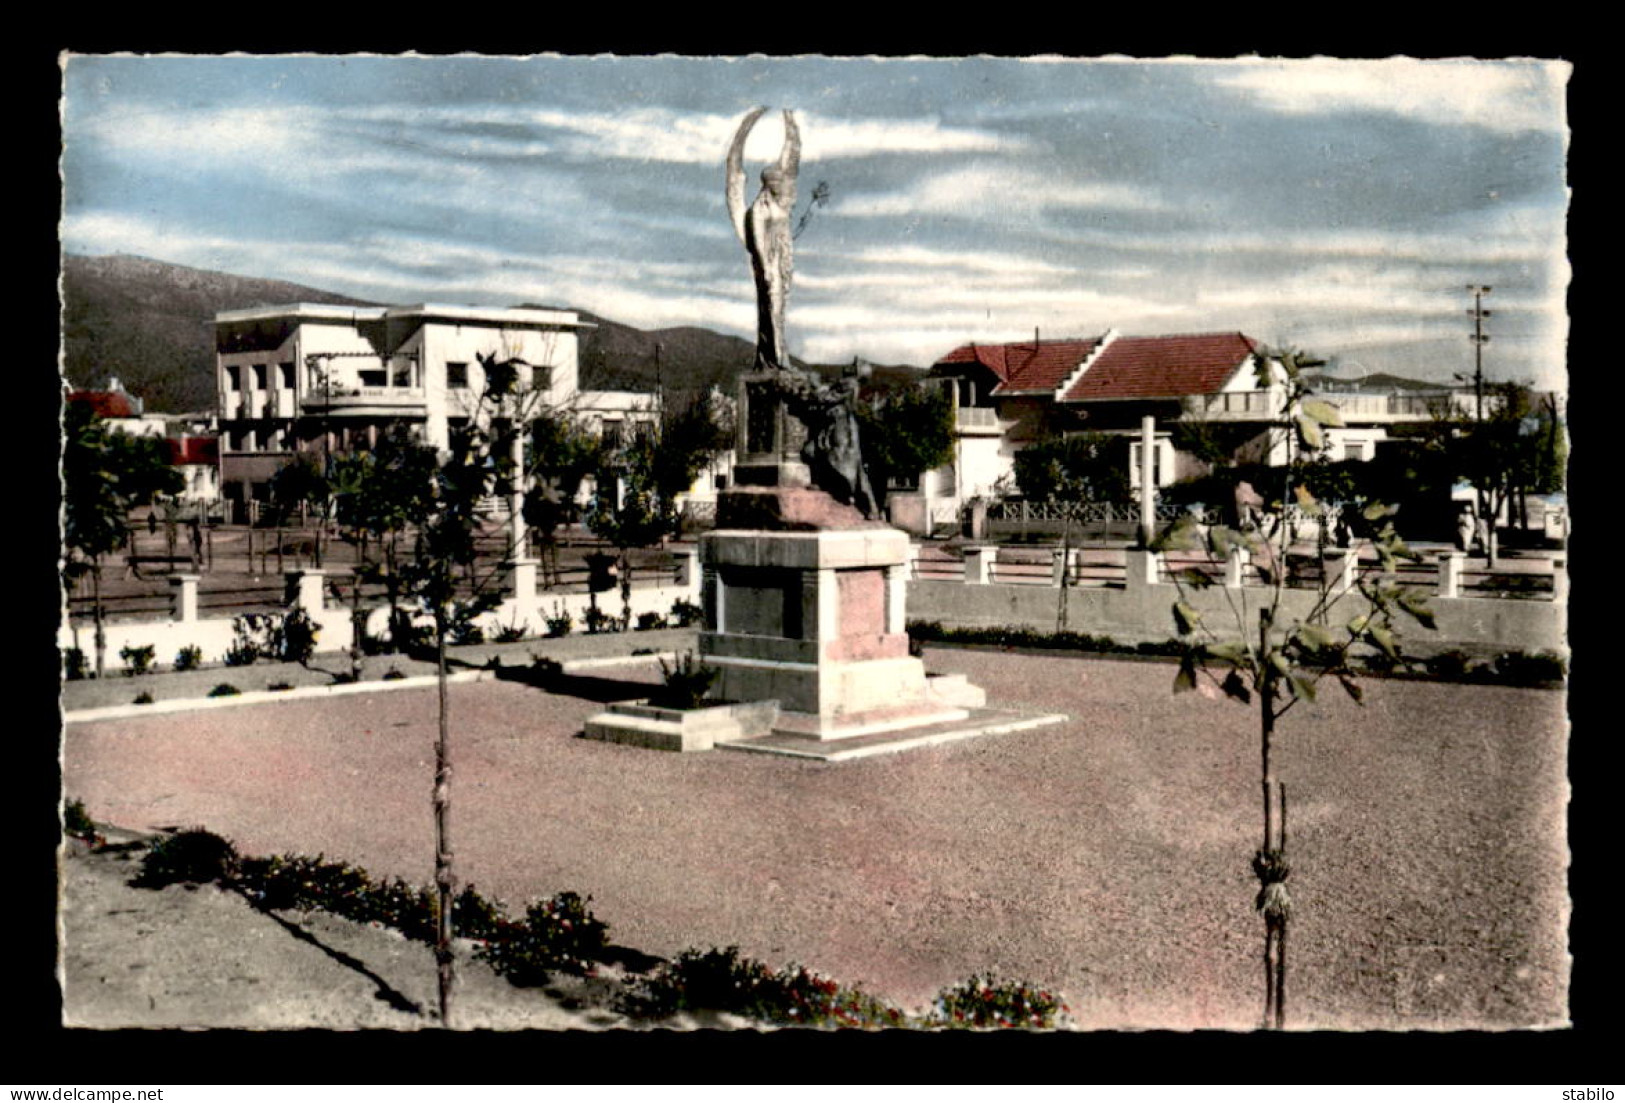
(137, 660)
(76, 822)
(986, 1003)
(294, 639)
(647, 622)
(687, 681)
(74, 664)
(558, 935)
(194, 856)
(560, 623)
(724, 981)
(685, 614)
(189, 658)
(600, 621)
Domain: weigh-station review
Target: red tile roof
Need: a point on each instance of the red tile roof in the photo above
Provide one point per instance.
(105, 404)
(1163, 367)
(1026, 366)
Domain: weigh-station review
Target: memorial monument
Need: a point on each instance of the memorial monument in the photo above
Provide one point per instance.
(803, 588)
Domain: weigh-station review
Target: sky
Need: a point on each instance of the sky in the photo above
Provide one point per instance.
(1340, 207)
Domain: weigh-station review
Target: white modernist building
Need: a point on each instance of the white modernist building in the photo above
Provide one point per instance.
(311, 376)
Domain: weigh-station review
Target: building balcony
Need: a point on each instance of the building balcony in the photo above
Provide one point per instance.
(366, 401)
(1355, 408)
(976, 420)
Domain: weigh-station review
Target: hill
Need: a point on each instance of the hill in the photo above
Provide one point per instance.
(148, 322)
(1372, 383)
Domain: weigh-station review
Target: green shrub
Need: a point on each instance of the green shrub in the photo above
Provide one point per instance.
(686, 614)
(1523, 668)
(225, 689)
(560, 624)
(511, 633)
(76, 822)
(560, 935)
(75, 667)
(280, 686)
(598, 621)
(137, 660)
(724, 981)
(253, 637)
(188, 658)
(143, 698)
(648, 622)
(194, 856)
(987, 1003)
(295, 638)
(461, 632)
(687, 682)
(1450, 666)
(393, 674)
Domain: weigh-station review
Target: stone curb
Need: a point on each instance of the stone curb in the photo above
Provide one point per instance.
(255, 697)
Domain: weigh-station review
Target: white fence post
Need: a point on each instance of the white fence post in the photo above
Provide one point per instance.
(1057, 567)
(1342, 566)
(979, 565)
(305, 590)
(686, 568)
(183, 597)
(1450, 564)
(1560, 580)
(1142, 568)
(1235, 568)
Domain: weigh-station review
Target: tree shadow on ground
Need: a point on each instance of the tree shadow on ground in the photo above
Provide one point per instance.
(384, 991)
(585, 686)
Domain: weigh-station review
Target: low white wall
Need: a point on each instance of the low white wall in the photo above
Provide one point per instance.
(214, 636)
(1141, 611)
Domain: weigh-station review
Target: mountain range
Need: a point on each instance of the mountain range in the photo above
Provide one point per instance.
(150, 324)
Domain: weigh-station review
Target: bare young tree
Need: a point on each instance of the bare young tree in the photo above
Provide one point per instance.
(1248, 651)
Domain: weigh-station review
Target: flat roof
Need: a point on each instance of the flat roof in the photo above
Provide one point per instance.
(337, 313)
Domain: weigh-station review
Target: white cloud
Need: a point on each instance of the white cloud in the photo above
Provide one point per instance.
(250, 133)
(999, 191)
(1511, 96)
(684, 137)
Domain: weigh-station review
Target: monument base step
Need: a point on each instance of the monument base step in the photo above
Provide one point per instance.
(851, 725)
(977, 722)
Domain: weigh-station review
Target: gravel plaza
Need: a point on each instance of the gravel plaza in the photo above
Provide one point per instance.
(1106, 857)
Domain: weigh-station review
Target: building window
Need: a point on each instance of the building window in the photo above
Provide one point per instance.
(611, 432)
(457, 376)
(1354, 450)
(234, 377)
(259, 377)
(286, 371)
(541, 377)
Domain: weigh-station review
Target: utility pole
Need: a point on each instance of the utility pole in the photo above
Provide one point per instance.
(1480, 338)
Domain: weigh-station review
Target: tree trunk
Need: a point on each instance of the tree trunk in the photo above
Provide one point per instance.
(1270, 865)
(445, 882)
(96, 613)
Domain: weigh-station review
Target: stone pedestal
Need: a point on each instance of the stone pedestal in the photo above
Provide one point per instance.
(813, 618)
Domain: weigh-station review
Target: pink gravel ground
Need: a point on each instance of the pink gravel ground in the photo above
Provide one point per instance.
(1106, 857)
